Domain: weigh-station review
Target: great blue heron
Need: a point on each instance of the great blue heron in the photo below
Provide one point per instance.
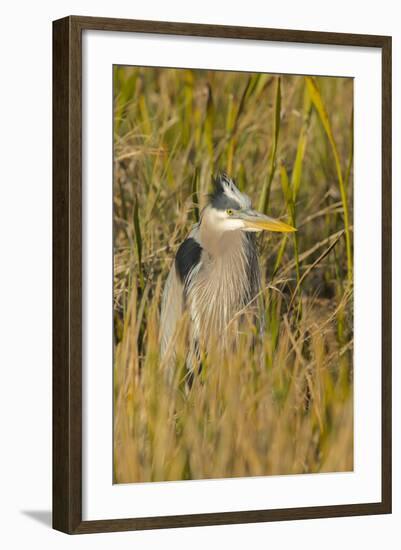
(215, 274)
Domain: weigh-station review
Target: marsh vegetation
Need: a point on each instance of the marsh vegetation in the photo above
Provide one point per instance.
(288, 142)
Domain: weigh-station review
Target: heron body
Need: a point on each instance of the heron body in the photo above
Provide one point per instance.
(215, 277)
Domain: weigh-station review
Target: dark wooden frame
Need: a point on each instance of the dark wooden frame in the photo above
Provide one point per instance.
(67, 279)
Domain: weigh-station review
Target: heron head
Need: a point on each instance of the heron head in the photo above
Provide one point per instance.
(231, 210)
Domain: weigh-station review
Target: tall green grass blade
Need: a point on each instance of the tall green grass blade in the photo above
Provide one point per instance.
(265, 195)
(195, 194)
(325, 121)
(188, 106)
(234, 113)
(246, 94)
(147, 125)
(262, 82)
(291, 190)
(285, 185)
(209, 126)
(280, 254)
(351, 152)
(301, 147)
(288, 195)
(230, 121)
(138, 241)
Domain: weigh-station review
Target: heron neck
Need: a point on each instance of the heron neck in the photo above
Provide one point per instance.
(220, 244)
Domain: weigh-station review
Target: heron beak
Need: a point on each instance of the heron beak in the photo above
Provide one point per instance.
(256, 221)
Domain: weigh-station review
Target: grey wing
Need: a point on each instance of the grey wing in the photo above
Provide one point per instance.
(172, 308)
(173, 302)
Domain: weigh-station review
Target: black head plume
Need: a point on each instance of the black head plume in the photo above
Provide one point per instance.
(226, 194)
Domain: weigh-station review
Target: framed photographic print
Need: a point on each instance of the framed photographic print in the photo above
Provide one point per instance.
(222, 274)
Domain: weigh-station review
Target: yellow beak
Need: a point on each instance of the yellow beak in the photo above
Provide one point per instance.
(259, 222)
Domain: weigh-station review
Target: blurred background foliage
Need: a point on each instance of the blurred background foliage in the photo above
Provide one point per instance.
(288, 143)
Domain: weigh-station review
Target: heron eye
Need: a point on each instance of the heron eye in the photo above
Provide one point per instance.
(229, 212)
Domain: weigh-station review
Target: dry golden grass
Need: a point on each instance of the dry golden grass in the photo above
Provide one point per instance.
(288, 142)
